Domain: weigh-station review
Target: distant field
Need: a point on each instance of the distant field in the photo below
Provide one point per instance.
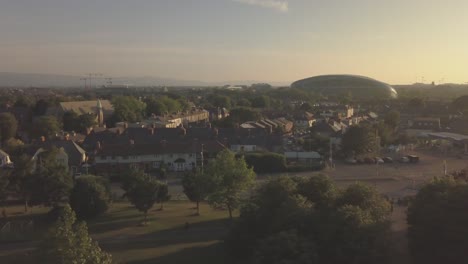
(164, 240)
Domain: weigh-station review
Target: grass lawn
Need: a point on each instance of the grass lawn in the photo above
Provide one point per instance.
(163, 240)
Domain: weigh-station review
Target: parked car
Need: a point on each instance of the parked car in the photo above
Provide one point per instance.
(404, 159)
(413, 158)
(369, 160)
(351, 161)
(360, 161)
(379, 160)
(388, 160)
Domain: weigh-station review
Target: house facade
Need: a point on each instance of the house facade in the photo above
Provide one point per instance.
(174, 156)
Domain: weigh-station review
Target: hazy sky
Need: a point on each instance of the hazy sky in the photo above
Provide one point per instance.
(396, 41)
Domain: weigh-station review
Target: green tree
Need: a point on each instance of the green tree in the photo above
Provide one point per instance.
(21, 180)
(4, 183)
(306, 220)
(196, 187)
(358, 140)
(319, 190)
(41, 107)
(89, 197)
(46, 126)
(230, 177)
(266, 162)
(52, 181)
(154, 106)
(8, 126)
(392, 119)
(275, 206)
(461, 103)
(128, 108)
(86, 121)
(70, 120)
(24, 101)
(14, 147)
(285, 247)
(142, 191)
(437, 231)
(217, 100)
(68, 242)
(173, 106)
(261, 102)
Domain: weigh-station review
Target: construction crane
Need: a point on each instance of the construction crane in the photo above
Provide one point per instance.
(92, 76)
(85, 81)
(108, 81)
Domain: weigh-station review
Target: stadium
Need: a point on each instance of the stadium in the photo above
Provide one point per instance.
(358, 87)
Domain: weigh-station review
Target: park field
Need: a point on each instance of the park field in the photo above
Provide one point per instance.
(173, 235)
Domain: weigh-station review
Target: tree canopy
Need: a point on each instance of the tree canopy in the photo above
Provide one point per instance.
(437, 231)
(142, 191)
(358, 140)
(89, 197)
(229, 177)
(8, 126)
(196, 187)
(128, 108)
(308, 220)
(69, 242)
(46, 126)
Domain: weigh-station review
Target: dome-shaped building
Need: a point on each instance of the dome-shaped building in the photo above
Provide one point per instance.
(359, 87)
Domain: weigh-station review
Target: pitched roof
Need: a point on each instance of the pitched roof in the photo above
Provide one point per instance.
(160, 148)
(84, 107)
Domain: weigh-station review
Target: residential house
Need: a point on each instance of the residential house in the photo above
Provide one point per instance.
(175, 156)
(69, 154)
(304, 120)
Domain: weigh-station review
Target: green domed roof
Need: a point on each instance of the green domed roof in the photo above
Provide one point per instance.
(359, 87)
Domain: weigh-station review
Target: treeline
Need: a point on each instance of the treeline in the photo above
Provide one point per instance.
(309, 220)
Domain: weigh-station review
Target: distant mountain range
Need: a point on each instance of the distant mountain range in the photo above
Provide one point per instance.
(9, 79)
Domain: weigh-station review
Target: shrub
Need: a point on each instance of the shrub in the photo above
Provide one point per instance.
(266, 162)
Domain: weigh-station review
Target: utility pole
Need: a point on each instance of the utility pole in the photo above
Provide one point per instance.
(202, 159)
(445, 167)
